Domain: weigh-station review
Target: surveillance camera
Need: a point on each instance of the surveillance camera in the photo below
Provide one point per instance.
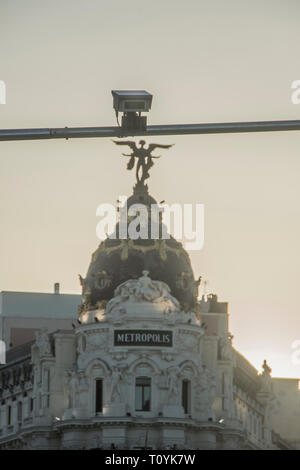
(130, 101)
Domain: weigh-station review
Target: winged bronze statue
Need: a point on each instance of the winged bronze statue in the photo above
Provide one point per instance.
(143, 156)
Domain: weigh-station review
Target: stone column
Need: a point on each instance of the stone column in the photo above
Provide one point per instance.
(3, 418)
(26, 404)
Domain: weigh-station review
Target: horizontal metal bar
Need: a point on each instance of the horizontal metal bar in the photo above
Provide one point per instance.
(224, 127)
(174, 129)
(58, 133)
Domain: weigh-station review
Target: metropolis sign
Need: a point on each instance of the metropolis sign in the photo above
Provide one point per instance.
(143, 338)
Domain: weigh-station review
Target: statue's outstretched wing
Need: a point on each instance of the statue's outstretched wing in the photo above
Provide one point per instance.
(154, 146)
(130, 143)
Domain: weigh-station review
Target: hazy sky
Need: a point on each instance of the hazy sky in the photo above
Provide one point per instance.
(203, 61)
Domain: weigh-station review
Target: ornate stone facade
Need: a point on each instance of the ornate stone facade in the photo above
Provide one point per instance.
(140, 370)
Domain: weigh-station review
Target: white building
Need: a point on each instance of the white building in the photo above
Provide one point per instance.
(147, 365)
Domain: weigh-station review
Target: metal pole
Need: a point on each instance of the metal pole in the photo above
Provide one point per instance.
(174, 129)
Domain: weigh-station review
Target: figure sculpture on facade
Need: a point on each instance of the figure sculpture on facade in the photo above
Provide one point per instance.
(81, 344)
(71, 386)
(173, 385)
(115, 391)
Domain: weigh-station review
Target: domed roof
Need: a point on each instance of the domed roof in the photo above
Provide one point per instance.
(118, 260)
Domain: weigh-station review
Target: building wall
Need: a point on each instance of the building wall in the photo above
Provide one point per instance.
(23, 313)
(286, 409)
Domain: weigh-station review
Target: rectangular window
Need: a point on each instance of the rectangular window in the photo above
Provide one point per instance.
(99, 396)
(186, 396)
(31, 405)
(142, 394)
(9, 415)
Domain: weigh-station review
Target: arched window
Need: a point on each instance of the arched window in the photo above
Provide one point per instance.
(143, 394)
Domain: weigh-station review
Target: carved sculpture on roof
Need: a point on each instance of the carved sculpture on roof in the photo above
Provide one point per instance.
(43, 342)
(265, 378)
(225, 347)
(142, 157)
(141, 290)
(185, 281)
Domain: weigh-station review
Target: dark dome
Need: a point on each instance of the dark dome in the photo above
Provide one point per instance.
(117, 260)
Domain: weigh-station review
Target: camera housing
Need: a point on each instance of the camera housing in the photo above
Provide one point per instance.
(128, 101)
